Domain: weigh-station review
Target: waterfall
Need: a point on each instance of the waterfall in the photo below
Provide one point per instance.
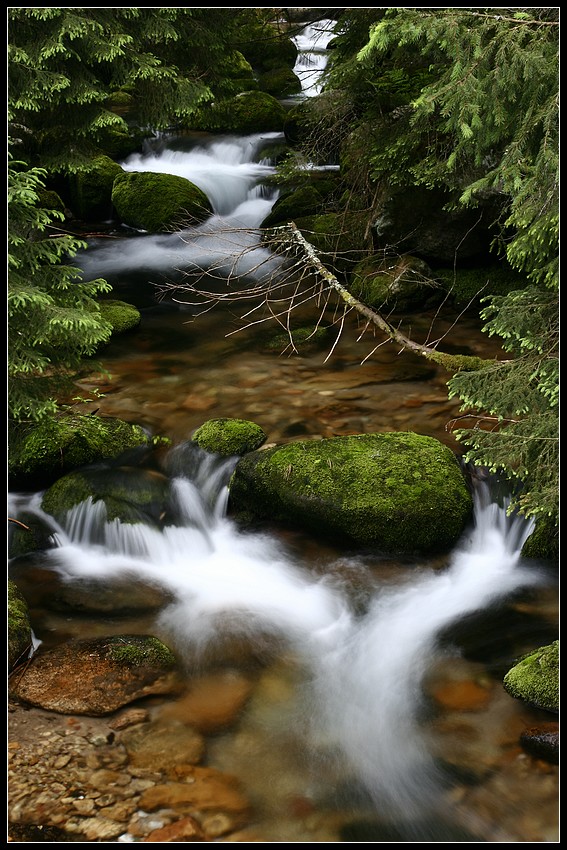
(312, 57)
(364, 671)
(230, 170)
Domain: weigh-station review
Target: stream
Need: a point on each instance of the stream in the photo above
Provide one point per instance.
(378, 712)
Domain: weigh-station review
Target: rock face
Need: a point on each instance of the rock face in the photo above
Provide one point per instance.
(98, 676)
(401, 492)
(535, 678)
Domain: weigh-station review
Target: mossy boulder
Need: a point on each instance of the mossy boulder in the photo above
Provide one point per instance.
(41, 453)
(535, 678)
(469, 285)
(400, 492)
(266, 48)
(280, 82)
(228, 437)
(158, 202)
(19, 627)
(402, 284)
(121, 315)
(246, 113)
(129, 494)
(304, 201)
(91, 190)
(543, 542)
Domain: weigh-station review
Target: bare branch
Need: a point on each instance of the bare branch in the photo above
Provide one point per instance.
(287, 274)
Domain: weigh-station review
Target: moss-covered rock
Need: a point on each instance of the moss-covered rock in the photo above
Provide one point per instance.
(19, 627)
(280, 82)
(304, 201)
(403, 284)
(229, 437)
(41, 453)
(401, 492)
(158, 202)
(469, 285)
(266, 47)
(91, 191)
(121, 315)
(543, 542)
(535, 678)
(130, 495)
(248, 112)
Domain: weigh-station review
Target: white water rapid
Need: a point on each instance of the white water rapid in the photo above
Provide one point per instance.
(312, 58)
(364, 671)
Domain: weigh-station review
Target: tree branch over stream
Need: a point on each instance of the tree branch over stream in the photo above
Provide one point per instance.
(302, 279)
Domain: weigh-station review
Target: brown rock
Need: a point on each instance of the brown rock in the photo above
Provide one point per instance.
(161, 745)
(542, 741)
(90, 676)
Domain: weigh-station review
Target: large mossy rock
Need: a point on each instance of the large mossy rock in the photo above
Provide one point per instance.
(535, 678)
(41, 453)
(97, 676)
(19, 628)
(158, 202)
(401, 492)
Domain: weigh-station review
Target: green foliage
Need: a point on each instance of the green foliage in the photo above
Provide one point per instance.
(486, 126)
(518, 432)
(53, 318)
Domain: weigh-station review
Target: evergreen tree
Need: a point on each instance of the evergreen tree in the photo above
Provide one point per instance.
(53, 318)
(482, 122)
(63, 65)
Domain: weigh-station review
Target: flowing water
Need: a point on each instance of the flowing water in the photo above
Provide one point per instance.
(349, 734)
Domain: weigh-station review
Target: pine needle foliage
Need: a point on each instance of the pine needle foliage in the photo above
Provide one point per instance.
(53, 317)
(485, 124)
(64, 63)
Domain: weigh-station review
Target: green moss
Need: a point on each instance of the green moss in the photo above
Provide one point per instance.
(19, 628)
(137, 651)
(535, 678)
(51, 448)
(91, 190)
(229, 437)
(543, 542)
(122, 316)
(402, 491)
(158, 202)
(280, 82)
(129, 494)
(248, 112)
(466, 285)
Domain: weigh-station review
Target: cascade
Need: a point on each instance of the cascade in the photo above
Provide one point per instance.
(226, 584)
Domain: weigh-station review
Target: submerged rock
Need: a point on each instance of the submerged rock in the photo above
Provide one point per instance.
(401, 492)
